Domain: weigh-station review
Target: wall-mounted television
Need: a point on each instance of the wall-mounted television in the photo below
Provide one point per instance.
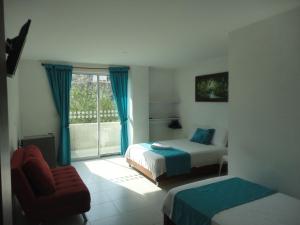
(14, 49)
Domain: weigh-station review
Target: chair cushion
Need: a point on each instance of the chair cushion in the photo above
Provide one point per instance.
(39, 175)
(71, 195)
(32, 151)
(67, 180)
(20, 184)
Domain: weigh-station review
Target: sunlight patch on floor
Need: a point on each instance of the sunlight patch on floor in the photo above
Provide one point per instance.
(117, 171)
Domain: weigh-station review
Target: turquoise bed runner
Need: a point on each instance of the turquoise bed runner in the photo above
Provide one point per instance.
(197, 206)
(177, 161)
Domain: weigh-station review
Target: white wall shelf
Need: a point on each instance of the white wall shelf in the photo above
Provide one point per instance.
(163, 119)
(164, 102)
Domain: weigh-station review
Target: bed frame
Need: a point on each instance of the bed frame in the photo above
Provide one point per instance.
(195, 172)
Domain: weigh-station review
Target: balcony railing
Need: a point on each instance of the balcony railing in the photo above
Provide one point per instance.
(86, 135)
(91, 116)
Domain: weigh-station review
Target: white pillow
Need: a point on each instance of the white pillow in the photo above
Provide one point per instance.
(159, 146)
(220, 137)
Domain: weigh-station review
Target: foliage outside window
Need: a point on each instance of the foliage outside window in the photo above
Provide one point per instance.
(83, 99)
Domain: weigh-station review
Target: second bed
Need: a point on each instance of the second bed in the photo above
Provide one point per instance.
(202, 157)
(274, 209)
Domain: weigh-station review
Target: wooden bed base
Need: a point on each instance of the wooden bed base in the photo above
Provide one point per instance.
(195, 172)
(140, 169)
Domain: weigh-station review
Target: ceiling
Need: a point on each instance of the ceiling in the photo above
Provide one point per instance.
(160, 33)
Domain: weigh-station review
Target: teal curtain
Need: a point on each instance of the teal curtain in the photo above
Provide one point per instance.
(60, 78)
(119, 83)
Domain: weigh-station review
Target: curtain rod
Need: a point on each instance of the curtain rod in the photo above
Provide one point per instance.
(90, 68)
(96, 68)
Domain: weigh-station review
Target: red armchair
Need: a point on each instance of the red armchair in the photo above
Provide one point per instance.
(46, 193)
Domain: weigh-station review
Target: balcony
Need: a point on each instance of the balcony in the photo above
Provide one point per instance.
(85, 136)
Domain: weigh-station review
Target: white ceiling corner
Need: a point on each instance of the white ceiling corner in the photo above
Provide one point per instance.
(169, 33)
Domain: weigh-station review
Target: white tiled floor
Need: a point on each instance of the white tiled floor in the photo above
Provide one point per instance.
(92, 152)
(120, 195)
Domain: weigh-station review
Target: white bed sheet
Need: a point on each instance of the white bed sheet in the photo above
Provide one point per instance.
(201, 155)
(276, 209)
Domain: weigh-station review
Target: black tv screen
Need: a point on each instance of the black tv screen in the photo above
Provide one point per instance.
(14, 49)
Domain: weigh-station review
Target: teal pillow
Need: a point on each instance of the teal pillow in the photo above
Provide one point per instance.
(203, 136)
(209, 136)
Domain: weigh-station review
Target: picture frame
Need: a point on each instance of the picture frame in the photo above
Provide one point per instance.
(211, 87)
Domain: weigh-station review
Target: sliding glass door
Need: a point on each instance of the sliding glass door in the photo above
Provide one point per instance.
(109, 124)
(94, 123)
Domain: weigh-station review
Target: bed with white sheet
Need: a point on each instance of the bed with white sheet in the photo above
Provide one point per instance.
(153, 165)
(275, 209)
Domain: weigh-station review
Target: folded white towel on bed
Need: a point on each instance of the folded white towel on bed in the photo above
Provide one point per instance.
(159, 146)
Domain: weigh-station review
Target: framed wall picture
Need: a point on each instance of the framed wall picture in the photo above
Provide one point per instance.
(212, 88)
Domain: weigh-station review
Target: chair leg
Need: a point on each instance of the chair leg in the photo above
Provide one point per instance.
(157, 183)
(84, 217)
(220, 169)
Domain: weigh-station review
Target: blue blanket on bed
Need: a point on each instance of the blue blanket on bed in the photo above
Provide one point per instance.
(197, 206)
(177, 161)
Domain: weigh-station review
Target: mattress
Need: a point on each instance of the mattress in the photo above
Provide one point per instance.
(201, 155)
(276, 209)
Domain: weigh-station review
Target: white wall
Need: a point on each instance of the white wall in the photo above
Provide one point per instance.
(161, 84)
(138, 100)
(13, 111)
(162, 94)
(200, 113)
(264, 66)
(37, 109)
